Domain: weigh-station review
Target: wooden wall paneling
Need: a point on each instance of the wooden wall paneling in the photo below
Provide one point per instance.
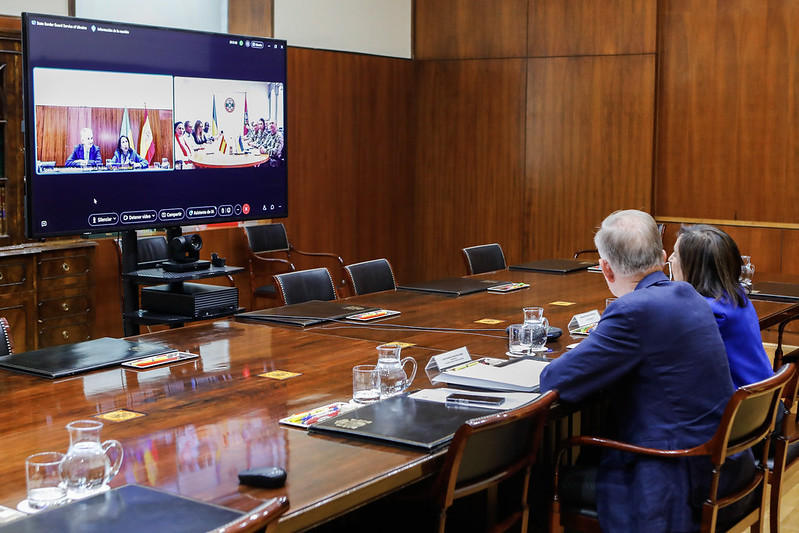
(469, 29)
(385, 163)
(107, 279)
(11, 85)
(590, 122)
(251, 17)
(321, 153)
(599, 27)
(469, 161)
(727, 114)
(790, 253)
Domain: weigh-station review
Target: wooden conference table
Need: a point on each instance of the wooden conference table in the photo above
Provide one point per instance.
(201, 422)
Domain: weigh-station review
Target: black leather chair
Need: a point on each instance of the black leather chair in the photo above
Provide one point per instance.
(487, 451)
(304, 285)
(784, 462)
(747, 421)
(370, 276)
(6, 345)
(269, 250)
(483, 258)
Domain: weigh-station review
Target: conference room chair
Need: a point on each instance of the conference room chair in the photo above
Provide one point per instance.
(6, 345)
(748, 419)
(483, 258)
(370, 276)
(259, 519)
(784, 465)
(270, 251)
(487, 451)
(594, 251)
(304, 285)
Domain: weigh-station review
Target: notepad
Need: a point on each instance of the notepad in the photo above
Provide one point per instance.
(519, 375)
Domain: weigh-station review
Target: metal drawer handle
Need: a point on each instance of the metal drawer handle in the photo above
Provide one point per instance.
(1, 275)
(65, 306)
(65, 267)
(65, 334)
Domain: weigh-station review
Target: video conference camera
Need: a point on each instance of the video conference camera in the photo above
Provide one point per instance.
(184, 254)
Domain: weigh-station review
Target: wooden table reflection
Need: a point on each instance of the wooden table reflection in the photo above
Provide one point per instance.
(212, 159)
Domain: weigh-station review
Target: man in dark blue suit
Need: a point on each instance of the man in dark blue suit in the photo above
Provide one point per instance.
(658, 354)
(86, 153)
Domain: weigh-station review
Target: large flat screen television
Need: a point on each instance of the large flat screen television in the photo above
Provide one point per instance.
(107, 106)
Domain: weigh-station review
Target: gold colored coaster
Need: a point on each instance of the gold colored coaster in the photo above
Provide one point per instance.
(119, 415)
(564, 304)
(279, 374)
(402, 344)
(490, 321)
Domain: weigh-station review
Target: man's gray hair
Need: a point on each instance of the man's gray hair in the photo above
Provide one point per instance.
(630, 241)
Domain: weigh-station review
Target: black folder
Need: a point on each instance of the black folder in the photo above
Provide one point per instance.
(555, 266)
(304, 314)
(128, 508)
(403, 421)
(69, 359)
(776, 291)
(453, 286)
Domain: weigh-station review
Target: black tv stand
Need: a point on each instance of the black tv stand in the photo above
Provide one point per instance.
(133, 277)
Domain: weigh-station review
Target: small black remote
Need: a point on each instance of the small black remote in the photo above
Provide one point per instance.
(268, 477)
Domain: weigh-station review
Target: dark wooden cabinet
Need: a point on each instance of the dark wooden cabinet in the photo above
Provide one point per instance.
(47, 292)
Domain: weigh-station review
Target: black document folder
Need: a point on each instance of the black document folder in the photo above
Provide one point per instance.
(304, 314)
(128, 508)
(555, 266)
(403, 421)
(773, 290)
(61, 361)
(453, 286)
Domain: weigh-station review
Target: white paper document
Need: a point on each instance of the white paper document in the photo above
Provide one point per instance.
(512, 399)
(520, 375)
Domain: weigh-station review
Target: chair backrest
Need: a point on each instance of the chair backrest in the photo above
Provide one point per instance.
(370, 276)
(490, 449)
(303, 285)
(151, 251)
(483, 258)
(6, 346)
(259, 518)
(267, 238)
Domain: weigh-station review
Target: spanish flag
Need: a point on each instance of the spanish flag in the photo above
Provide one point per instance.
(146, 140)
(222, 143)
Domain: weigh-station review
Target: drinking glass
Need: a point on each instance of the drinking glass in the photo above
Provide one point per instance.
(45, 486)
(365, 384)
(519, 340)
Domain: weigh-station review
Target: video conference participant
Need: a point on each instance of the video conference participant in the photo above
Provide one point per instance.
(86, 153)
(658, 355)
(272, 143)
(708, 258)
(182, 149)
(124, 156)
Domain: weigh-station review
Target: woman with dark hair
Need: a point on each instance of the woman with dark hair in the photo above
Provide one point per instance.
(199, 134)
(125, 156)
(708, 259)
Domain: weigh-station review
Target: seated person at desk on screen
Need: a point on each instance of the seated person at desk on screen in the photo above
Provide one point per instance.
(86, 154)
(125, 156)
(709, 259)
(658, 355)
(182, 149)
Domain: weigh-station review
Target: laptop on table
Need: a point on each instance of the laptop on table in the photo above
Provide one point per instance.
(304, 314)
(555, 266)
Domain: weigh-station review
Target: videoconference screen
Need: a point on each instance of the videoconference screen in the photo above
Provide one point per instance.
(133, 127)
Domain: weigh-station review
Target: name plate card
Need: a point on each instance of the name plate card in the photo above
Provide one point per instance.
(583, 323)
(449, 359)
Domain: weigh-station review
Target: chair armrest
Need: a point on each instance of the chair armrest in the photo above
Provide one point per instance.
(582, 440)
(290, 265)
(320, 254)
(258, 518)
(578, 253)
